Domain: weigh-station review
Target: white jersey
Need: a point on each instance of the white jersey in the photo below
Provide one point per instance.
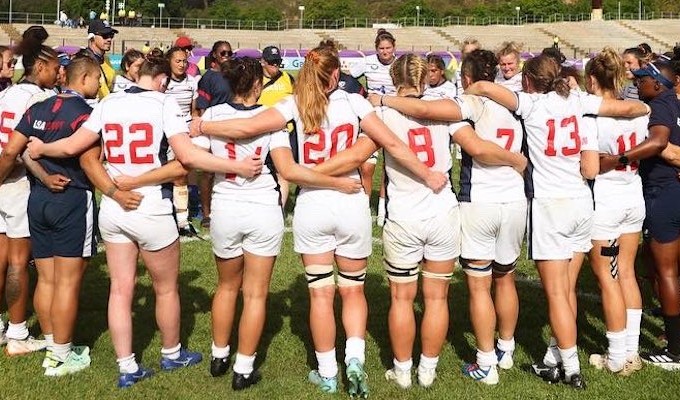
(622, 186)
(446, 90)
(556, 138)
(514, 83)
(378, 79)
(14, 101)
(134, 126)
(406, 196)
(185, 92)
(261, 189)
(121, 83)
(338, 132)
(481, 183)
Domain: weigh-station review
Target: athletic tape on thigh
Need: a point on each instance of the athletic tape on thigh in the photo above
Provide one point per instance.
(503, 268)
(401, 273)
(438, 275)
(356, 278)
(180, 197)
(613, 253)
(319, 275)
(475, 269)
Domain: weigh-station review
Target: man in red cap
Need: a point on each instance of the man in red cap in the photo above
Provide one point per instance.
(187, 45)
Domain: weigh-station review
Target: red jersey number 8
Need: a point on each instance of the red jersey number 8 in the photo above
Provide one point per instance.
(420, 142)
(135, 145)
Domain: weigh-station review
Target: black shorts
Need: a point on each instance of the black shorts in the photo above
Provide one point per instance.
(62, 224)
(663, 213)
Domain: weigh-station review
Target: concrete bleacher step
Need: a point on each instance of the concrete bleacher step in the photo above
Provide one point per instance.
(11, 32)
(448, 37)
(656, 41)
(577, 51)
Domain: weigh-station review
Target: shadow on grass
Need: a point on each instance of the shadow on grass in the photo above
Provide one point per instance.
(298, 295)
(92, 320)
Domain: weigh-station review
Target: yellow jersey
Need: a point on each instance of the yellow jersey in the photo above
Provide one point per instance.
(274, 90)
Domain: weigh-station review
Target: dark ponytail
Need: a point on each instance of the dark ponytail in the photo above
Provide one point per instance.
(242, 73)
(32, 49)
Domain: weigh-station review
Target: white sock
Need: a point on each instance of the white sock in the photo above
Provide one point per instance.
(428, 362)
(404, 366)
(633, 319)
(171, 353)
(220, 352)
(182, 219)
(244, 364)
(552, 354)
(507, 346)
(617, 350)
(17, 331)
(570, 362)
(49, 338)
(128, 365)
(355, 347)
(328, 364)
(2, 326)
(60, 351)
(486, 359)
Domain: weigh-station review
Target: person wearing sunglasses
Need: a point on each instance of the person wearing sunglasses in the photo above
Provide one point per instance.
(213, 89)
(7, 67)
(187, 45)
(100, 36)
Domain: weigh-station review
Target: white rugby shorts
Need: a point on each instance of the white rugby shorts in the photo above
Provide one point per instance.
(150, 232)
(14, 209)
(434, 239)
(610, 223)
(334, 222)
(238, 226)
(493, 231)
(558, 228)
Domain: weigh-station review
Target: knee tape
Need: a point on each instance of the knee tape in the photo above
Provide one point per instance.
(347, 279)
(319, 276)
(445, 276)
(401, 273)
(503, 269)
(475, 269)
(613, 253)
(180, 197)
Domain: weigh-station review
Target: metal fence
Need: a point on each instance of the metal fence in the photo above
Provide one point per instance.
(199, 23)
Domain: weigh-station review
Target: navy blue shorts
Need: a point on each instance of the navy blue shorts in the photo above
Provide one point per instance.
(663, 213)
(61, 224)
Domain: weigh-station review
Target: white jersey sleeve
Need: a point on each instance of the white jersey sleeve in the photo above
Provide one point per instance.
(360, 105)
(288, 108)
(590, 104)
(95, 122)
(358, 68)
(174, 121)
(280, 139)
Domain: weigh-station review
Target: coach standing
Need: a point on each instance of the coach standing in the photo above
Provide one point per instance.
(100, 35)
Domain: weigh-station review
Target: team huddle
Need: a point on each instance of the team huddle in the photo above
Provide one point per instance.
(574, 172)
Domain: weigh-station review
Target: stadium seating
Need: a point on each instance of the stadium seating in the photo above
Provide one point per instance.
(577, 39)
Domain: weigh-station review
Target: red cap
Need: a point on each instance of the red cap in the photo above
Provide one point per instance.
(183, 41)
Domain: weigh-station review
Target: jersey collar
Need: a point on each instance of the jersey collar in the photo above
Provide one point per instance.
(240, 106)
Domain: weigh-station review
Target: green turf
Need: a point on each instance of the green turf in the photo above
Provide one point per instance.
(285, 354)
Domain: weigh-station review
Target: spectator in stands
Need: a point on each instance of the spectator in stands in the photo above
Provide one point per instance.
(7, 67)
(121, 17)
(213, 89)
(92, 15)
(62, 18)
(100, 36)
(187, 45)
(277, 85)
(129, 68)
(131, 17)
(146, 48)
(438, 86)
(509, 71)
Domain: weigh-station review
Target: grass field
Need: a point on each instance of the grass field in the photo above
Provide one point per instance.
(285, 354)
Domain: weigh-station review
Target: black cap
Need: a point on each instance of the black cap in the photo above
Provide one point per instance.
(272, 55)
(99, 27)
